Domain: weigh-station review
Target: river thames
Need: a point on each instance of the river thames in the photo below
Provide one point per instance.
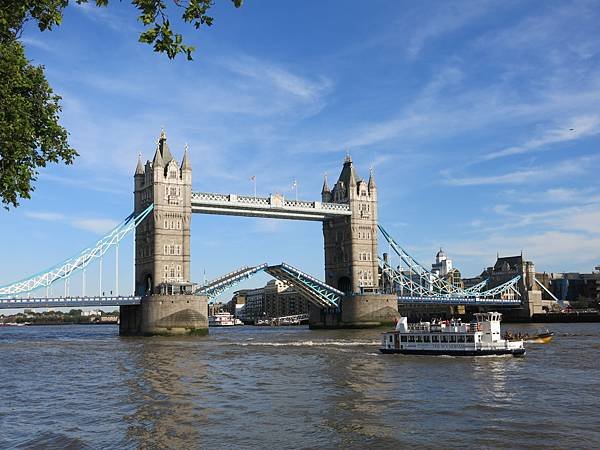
(249, 387)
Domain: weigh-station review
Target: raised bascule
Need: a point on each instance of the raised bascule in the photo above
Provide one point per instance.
(360, 288)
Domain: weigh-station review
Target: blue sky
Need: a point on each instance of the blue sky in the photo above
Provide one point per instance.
(481, 121)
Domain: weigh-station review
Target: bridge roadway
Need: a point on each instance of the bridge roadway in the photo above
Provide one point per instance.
(68, 302)
(447, 300)
(274, 206)
(79, 302)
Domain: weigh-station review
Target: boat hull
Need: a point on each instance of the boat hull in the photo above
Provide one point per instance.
(490, 352)
(544, 338)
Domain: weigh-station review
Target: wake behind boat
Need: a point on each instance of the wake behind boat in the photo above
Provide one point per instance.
(481, 337)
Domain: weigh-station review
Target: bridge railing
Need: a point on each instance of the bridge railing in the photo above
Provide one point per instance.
(68, 302)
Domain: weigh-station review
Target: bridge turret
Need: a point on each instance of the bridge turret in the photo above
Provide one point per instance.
(157, 162)
(139, 169)
(186, 167)
(163, 147)
(325, 191)
(139, 176)
(372, 186)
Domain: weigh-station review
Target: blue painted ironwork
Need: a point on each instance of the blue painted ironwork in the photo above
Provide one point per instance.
(68, 302)
(318, 292)
(216, 287)
(77, 262)
(418, 282)
(478, 287)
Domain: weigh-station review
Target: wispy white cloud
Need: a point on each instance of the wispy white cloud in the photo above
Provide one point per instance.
(449, 17)
(95, 225)
(42, 215)
(37, 43)
(563, 168)
(556, 195)
(105, 16)
(576, 128)
(278, 77)
(558, 249)
(98, 226)
(516, 177)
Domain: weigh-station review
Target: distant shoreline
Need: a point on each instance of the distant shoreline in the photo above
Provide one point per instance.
(60, 323)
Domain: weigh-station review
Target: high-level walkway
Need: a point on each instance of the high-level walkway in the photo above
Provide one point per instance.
(274, 206)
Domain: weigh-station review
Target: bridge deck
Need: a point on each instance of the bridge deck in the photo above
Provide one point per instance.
(443, 300)
(316, 291)
(274, 206)
(68, 302)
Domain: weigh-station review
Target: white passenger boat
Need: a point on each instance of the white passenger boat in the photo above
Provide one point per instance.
(481, 337)
(222, 319)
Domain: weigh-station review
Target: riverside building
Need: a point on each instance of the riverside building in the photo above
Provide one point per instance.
(275, 299)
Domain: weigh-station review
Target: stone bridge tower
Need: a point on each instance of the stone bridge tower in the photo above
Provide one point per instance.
(351, 257)
(162, 250)
(162, 253)
(351, 242)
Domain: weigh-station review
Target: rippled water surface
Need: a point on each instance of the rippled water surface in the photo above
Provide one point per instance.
(247, 387)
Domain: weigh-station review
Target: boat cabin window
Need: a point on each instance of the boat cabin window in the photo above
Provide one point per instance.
(444, 338)
(419, 339)
(452, 338)
(426, 339)
(435, 339)
(403, 339)
(470, 339)
(411, 339)
(461, 339)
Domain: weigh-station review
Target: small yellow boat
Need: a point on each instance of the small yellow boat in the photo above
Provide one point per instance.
(540, 338)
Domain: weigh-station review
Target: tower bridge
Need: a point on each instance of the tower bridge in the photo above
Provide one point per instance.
(359, 289)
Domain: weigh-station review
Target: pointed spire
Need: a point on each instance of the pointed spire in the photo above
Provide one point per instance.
(185, 162)
(352, 182)
(325, 185)
(139, 170)
(371, 179)
(164, 148)
(348, 176)
(158, 160)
